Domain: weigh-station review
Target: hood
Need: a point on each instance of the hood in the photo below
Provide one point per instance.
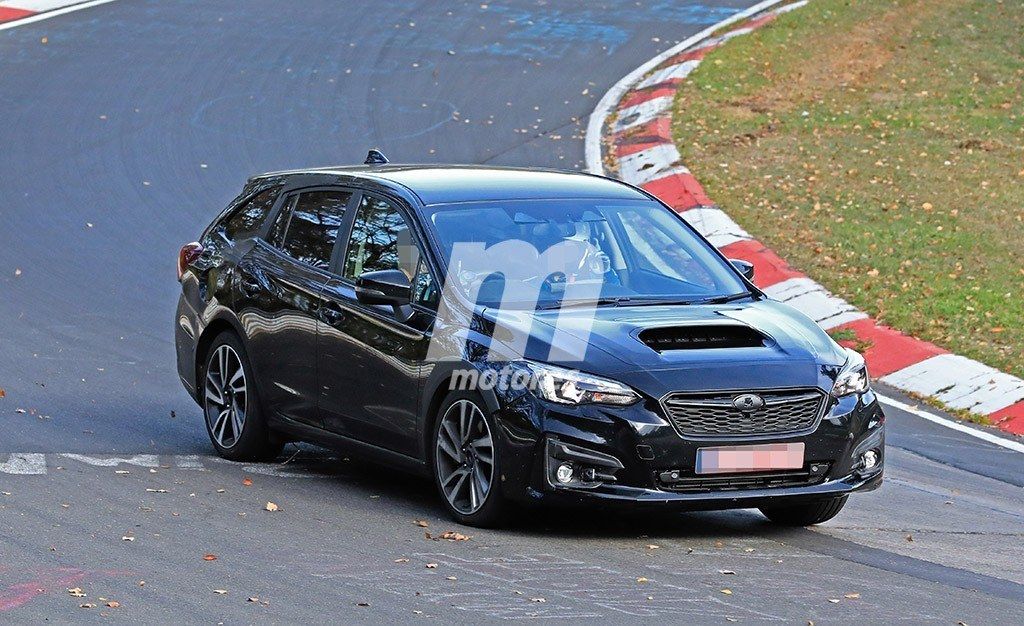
(790, 349)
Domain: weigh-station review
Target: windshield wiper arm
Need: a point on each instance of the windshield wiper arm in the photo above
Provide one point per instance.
(577, 303)
(724, 299)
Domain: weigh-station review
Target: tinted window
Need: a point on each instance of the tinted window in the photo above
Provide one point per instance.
(247, 220)
(310, 226)
(530, 253)
(380, 240)
(424, 289)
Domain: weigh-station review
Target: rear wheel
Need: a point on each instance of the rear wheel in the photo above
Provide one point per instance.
(466, 463)
(805, 513)
(231, 404)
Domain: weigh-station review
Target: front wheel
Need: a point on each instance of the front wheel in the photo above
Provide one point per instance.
(466, 463)
(805, 513)
(231, 404)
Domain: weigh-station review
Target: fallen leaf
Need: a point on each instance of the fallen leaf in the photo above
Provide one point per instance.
(726, 571)
(87, 605)
(451, 535)
(253, 599)
(834, 600)
(247, 482)
(3, 394)
(852, 596)
(537, 600)
(652, 546)
(270, 506)
(127, 538)
(401, 560)
(76, 592)
(727, 592)
(422, 523)
(209, 557)
(910, 537)
(113, 604)
(641, 579)
(451, 578)
(431, 565)
(220, 592)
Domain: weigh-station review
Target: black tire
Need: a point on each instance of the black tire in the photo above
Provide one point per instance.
(805, 513)
(495, 508)
(257, 441)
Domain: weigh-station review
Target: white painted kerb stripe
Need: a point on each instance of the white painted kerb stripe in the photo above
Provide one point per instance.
(960, 382)
(642, 113)
(47, 15)
(672, 72)
(647, 165)
(815, 301)
(716, 226)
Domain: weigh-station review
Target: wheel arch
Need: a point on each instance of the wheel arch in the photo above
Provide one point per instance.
(220, 324)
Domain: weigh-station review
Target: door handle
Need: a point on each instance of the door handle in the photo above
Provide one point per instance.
(331, 314)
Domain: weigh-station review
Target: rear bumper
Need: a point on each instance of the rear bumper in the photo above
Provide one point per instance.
(647, 449)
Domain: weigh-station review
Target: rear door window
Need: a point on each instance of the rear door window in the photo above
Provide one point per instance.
(307, 227)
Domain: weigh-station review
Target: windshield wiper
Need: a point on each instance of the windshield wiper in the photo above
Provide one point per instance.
(724, 299)
(559, 304)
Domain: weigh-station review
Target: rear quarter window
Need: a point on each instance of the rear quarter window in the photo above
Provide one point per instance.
(247, 220)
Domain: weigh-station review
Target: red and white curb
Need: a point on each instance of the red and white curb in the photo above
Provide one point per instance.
(631, 128)
(18, 12)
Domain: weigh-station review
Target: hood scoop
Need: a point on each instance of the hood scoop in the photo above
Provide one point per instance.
(701, 337)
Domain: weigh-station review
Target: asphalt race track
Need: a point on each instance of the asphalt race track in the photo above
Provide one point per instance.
(127, 126)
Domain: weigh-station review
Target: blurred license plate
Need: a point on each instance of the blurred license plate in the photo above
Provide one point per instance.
(756, 458)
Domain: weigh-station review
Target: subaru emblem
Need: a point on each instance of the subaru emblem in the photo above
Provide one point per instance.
(748, 402)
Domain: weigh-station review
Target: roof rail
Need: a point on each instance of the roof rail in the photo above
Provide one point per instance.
(375, 157)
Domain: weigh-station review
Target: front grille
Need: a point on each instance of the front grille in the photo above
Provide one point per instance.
(710, 415)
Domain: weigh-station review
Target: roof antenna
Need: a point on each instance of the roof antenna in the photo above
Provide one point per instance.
(375, 157)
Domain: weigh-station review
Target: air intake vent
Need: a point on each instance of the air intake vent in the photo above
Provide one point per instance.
(701, 337)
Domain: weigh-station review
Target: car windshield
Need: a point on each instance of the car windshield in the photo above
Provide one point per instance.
(548, 253)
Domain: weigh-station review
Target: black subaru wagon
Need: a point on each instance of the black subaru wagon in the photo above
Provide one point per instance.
(419, 315)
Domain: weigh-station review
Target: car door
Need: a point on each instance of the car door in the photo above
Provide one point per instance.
(371, 362)
(279, 282)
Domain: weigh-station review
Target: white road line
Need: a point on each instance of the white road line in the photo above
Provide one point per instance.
(45, 16)
(24, 463)
(1009, 444)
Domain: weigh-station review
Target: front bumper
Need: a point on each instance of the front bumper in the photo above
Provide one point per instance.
(656, 464)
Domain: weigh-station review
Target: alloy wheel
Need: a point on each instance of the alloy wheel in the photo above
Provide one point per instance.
(225, 396)
(465, 457)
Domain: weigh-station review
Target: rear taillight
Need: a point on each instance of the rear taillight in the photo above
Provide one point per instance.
(187, 256)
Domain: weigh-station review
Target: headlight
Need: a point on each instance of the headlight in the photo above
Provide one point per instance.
(853, 378)
(565, 386)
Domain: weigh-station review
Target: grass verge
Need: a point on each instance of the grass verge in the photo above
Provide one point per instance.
(878, 145)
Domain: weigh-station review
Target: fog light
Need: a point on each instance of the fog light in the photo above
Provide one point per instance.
(564, 473)
(869, 459)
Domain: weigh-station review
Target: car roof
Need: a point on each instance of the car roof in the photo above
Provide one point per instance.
(442, 184)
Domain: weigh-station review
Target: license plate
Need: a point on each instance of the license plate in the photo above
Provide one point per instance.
(756, 458)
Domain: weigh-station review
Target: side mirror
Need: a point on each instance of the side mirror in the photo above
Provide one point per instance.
(745, 268)
(384, 287)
